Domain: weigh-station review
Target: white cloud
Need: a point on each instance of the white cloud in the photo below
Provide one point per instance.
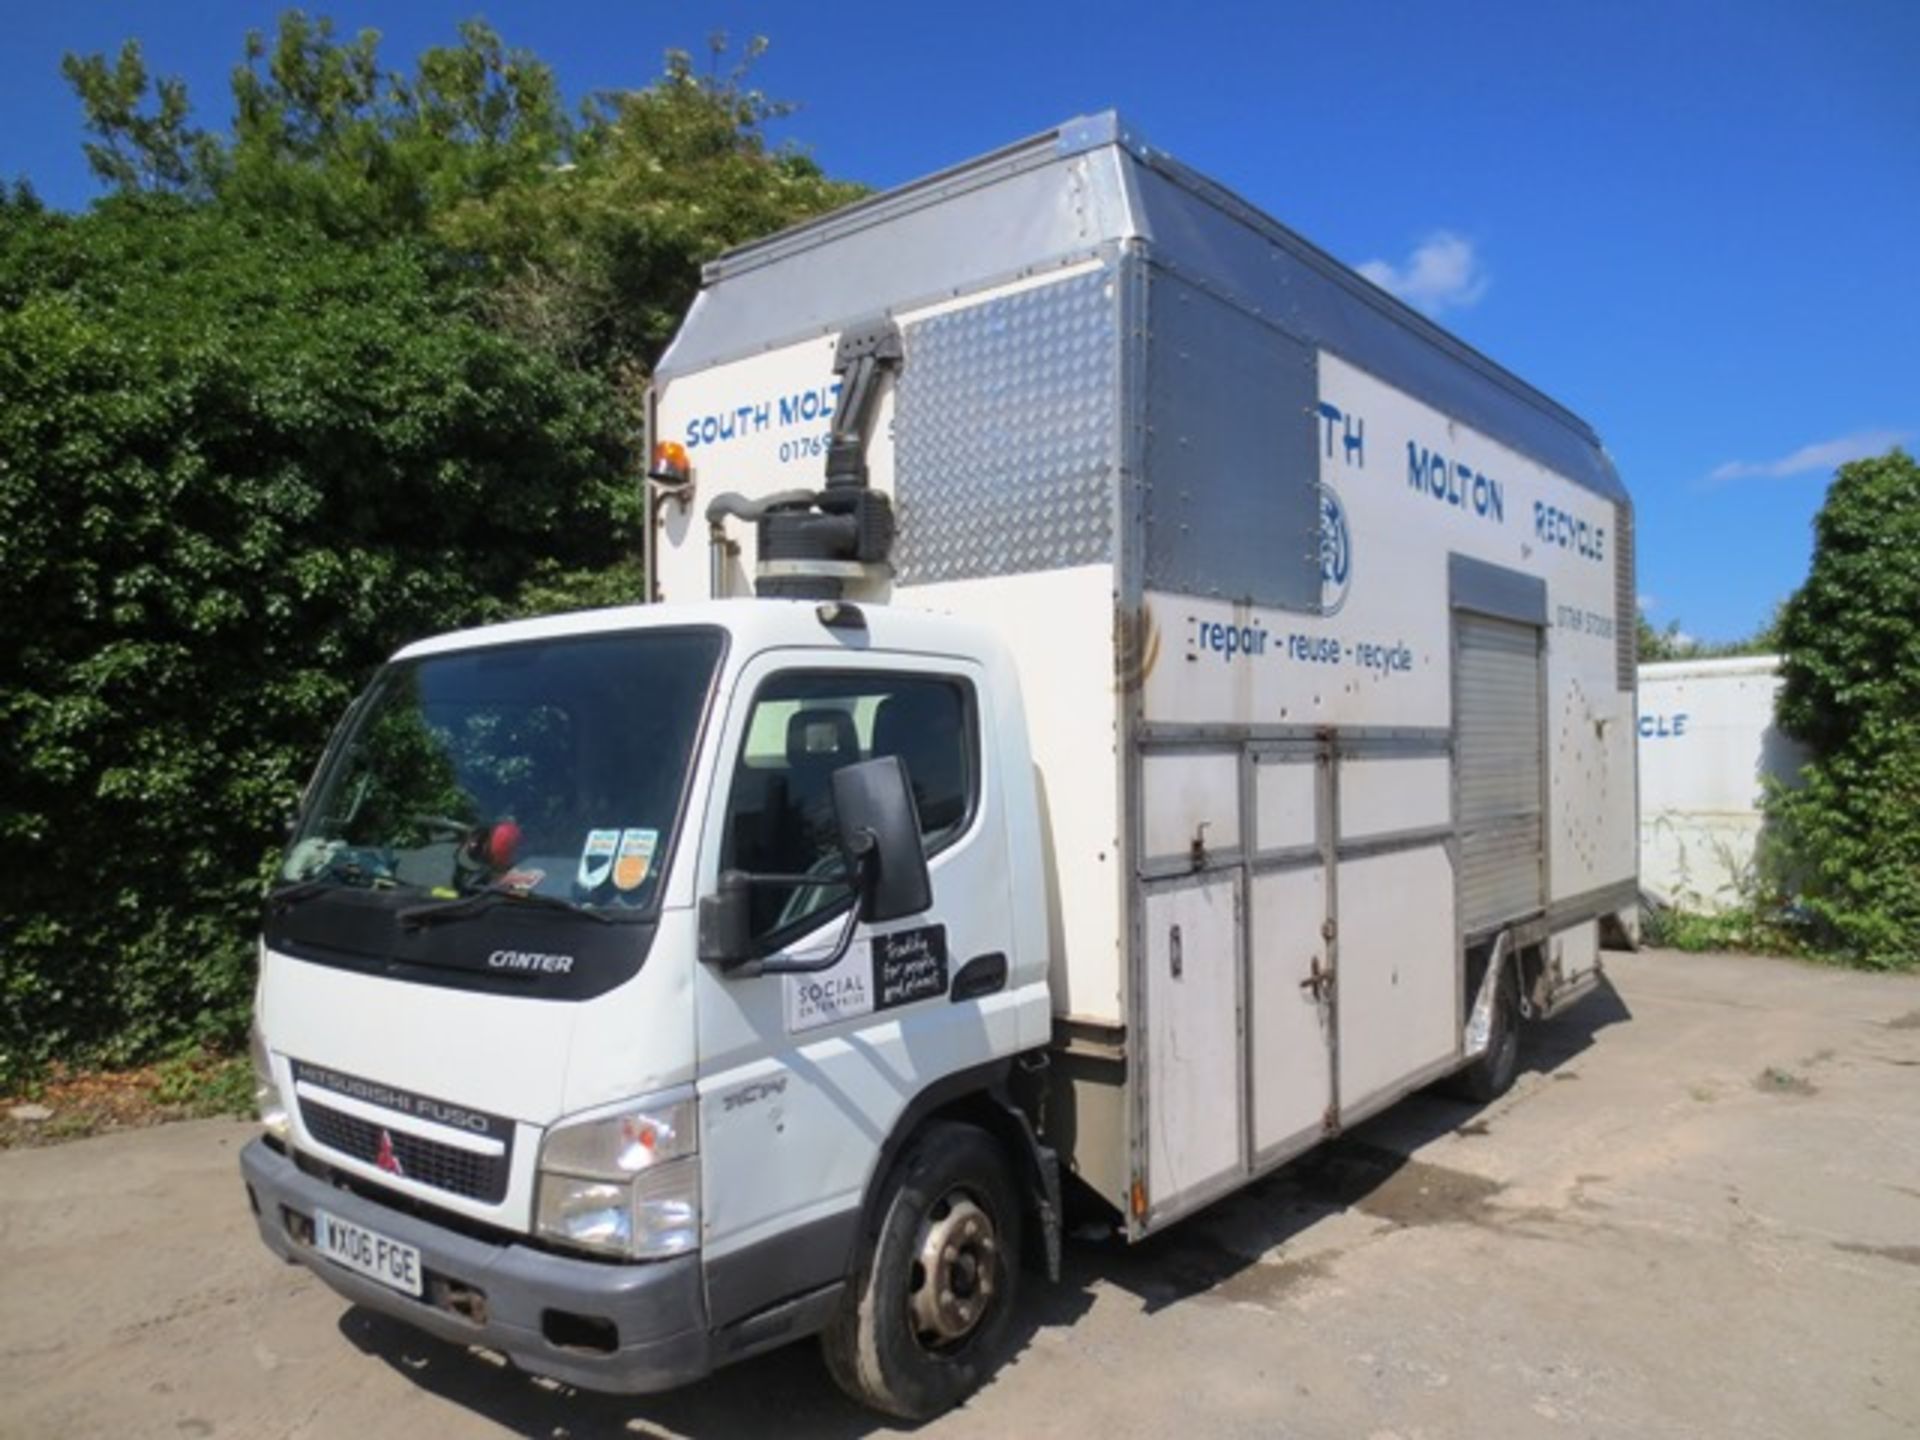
(1822, 456)
(1649, 602)
(1442, 273)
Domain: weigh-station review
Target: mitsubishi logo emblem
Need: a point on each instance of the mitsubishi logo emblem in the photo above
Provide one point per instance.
(385, 1158)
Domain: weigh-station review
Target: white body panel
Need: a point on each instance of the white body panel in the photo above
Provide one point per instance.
(1189, 804)
(1573, 955)
(1192, 968)
(1056, 625)
(1708, 744)
(1289, 1023)
(1394, 794)
(1285, 805)
(1398, 988)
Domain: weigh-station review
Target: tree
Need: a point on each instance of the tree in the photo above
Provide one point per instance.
(588, 232)
(144, 142)
(664, 179)
(323, 134)
(1849, 834)
(1673, 643)
(239, 463)
(1656, 645)
(365, 366)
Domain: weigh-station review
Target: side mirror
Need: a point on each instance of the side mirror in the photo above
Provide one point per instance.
(880, 833)
(879, 829)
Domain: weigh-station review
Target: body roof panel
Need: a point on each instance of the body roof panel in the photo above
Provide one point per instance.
(1083, 188)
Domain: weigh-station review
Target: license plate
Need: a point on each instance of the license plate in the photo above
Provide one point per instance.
(367, 1251)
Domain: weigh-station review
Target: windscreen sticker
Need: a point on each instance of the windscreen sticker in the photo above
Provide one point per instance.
(596, 861)
(635, 858)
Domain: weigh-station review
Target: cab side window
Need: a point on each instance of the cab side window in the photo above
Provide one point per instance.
(804, 726)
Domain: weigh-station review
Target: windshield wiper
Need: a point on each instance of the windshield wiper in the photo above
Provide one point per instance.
(286, 896)
(417, 915)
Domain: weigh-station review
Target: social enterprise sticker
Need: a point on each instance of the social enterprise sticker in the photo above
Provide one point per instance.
(635, 858)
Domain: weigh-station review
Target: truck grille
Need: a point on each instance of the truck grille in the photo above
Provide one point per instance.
(452, 1168)
(444, 1167)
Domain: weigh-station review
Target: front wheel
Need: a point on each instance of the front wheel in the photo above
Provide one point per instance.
(925, 1322)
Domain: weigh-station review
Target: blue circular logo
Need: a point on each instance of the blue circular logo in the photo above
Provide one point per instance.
(1336, 552)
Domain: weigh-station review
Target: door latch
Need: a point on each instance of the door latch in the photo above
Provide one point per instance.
(1319, 980)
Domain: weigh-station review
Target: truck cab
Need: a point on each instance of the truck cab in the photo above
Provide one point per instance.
(585, 1038)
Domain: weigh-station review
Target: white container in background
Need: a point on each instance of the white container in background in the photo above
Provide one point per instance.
(1707, 739)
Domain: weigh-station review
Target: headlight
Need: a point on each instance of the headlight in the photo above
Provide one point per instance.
(267, 1103)
(626, 1183)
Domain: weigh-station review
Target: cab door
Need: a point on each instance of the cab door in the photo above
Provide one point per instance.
(803, 1077)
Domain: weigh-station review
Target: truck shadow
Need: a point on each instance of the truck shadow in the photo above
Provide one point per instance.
(1552, 1044)
(1225, 1251)
(784, 1392)
(1228, 1250)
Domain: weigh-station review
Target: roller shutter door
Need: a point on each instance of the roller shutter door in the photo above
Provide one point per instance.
(1498, 770)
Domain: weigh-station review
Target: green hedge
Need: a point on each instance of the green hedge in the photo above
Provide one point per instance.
(1846, 839)
(363, 364)
(239, 462)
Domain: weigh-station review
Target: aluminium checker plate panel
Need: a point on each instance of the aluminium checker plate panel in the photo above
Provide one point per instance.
(1004, 434)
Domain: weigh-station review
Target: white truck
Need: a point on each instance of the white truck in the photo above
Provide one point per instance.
(1195, 710)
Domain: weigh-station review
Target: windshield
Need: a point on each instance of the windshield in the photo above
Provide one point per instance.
(554, 768)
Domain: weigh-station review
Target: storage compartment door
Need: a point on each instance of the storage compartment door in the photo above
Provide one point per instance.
(1192, 1079)
(1291, 1009)
(1573, 958)
(1399, 990)
(1497, 744)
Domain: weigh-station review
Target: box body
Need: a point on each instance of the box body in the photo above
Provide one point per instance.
(1324, 623)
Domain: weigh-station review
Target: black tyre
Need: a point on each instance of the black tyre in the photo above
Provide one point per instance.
(925, 1321)
(1489, 1077)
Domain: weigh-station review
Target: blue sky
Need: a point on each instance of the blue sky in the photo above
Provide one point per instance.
(1697, 223)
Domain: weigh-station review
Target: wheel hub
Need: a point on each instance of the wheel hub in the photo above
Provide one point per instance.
(956, 1265)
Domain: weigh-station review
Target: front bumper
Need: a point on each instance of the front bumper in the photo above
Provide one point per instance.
(506, 1297)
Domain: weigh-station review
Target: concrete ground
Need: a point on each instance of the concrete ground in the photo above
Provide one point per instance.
(1697, 1214)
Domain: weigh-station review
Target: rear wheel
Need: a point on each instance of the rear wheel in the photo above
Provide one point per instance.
(1489, 1077)
(926, 1320)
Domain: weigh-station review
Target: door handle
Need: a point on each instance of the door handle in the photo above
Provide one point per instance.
(1175, 962)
